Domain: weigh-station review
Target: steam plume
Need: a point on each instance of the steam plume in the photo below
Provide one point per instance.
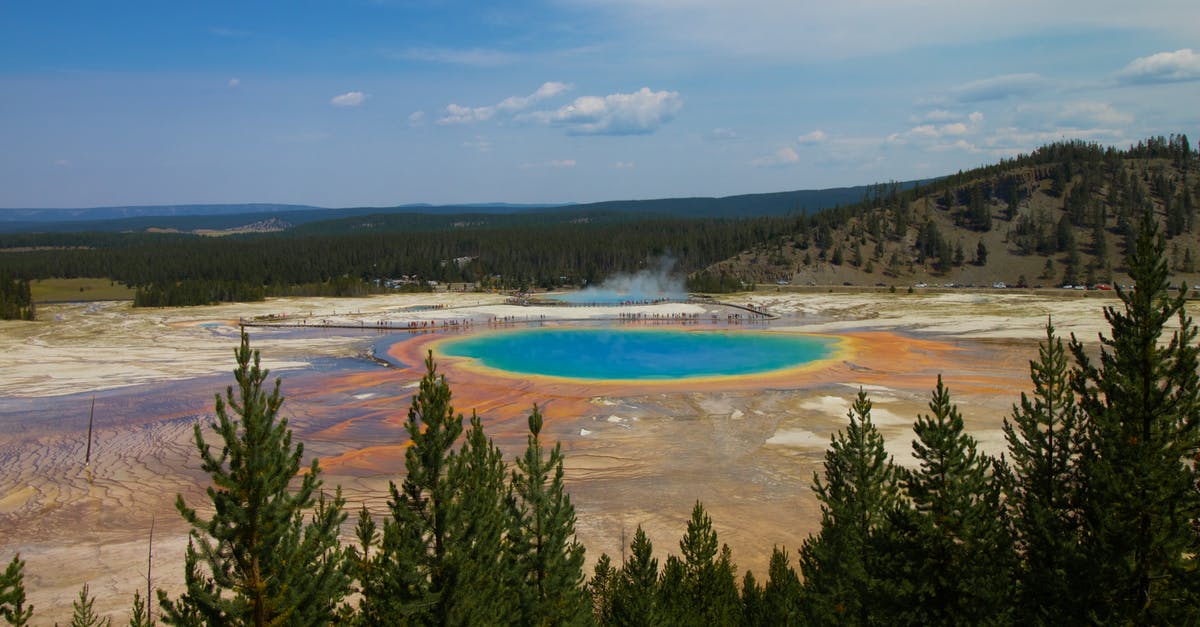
(656, 282)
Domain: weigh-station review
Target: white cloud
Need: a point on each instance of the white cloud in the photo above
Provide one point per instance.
(624, 165)
(348, 99)
(639, 113)
(783, 156)
(233, 82)
(1000, 87)
(62, 163)
(1164, 67)
(554, 163)
(956, 128)
(934, 135)
(512, 104)
(816, 137)
(457, 114)
(416, 118)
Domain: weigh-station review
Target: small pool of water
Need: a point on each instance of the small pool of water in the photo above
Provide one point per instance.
(639, 354)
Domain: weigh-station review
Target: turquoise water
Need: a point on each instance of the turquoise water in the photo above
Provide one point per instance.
(633, 354)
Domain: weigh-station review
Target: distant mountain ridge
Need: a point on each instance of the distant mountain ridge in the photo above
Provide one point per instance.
(231, 216)
(138, 211)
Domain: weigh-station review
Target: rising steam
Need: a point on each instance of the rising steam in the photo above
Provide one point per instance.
(654, 283)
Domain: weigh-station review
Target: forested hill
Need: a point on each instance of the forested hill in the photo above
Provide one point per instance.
(1064, 214)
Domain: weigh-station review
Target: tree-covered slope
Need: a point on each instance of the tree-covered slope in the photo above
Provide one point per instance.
(1060, 215)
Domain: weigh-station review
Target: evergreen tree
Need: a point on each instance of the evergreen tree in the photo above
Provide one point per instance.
(256, 547)
(601, 587)
(12, 594)
(1044, 441)
(410, 578)
(859, 489)
(964, 571)
(782, 594)
(547, 559)
(672, 606)
(83, 614)
(753, 613)
(366, 531)
(707, 589)
(484, 591)
(1140, 406)
(636, 586)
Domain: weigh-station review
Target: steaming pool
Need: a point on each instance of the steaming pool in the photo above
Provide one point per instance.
(639, 354)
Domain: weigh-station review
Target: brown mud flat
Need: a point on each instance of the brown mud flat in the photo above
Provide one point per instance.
(642, 454)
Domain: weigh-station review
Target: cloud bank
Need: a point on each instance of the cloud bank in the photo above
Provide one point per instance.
(1164, 67)
(639, 113)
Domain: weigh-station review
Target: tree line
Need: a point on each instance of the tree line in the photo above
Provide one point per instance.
(1092, 517)
(182, 270)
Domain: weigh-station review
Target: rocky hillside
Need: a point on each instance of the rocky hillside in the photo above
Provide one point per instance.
(1061, 215)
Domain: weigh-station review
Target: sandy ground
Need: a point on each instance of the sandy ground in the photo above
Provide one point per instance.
(636, 454)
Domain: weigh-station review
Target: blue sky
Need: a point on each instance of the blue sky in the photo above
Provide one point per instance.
(387, 102)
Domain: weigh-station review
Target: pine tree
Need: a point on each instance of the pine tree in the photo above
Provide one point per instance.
(366, 531)
(601, 588)
(257, 547)
(1044, 442)
(636, 587)
(483, 590)
(753, 612)
(12, 594)
(964, 570)
(859, 489)
(547, 559)
(409, 576)
(782, 594)
(1141, 405)
(672, 605)
(703, 581)
(83, 614)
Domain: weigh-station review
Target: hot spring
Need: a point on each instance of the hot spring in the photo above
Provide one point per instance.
(639, 354)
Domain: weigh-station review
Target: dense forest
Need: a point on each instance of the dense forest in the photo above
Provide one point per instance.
(181, 270)
(1092, 517)
(16, 301)
(1063, 214)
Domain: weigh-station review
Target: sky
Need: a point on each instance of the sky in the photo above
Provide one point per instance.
(388, 102)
